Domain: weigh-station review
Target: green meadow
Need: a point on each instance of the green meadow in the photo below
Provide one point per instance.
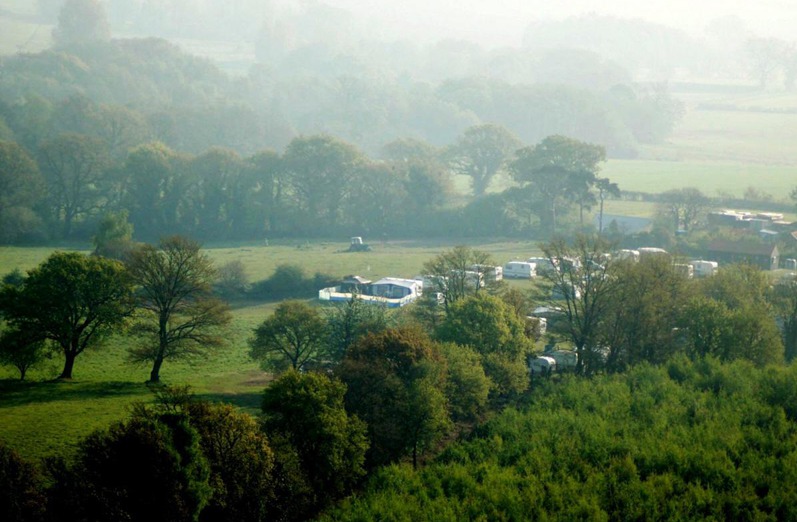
(42, 417)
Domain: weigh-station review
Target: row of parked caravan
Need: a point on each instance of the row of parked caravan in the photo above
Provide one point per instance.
(528, 269)
(694, 268)
(534, 266)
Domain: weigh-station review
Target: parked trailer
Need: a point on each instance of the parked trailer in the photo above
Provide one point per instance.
(543, 265)
(520, 270)
(704, 268)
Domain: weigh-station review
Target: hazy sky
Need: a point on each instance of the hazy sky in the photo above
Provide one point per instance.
(501, 22)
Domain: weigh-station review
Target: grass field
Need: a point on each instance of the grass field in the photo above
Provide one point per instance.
(41, 417)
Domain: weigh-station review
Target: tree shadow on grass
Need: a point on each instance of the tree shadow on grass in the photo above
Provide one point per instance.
(18, 393)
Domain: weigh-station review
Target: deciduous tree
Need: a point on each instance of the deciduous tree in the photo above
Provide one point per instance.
(585, 283)
(180, 316)
(318, 170)
(308, 410)
(453, 276)
(495, 331)
(75, 169)
(22, 349)
(550, 170)
(71, 299)
(141, 469)
(81, 21)
(22, 495)
(21, 187)
(395, 382)
(480, 153)
(295, 335)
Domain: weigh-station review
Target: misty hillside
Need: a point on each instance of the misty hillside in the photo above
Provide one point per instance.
(311, 77)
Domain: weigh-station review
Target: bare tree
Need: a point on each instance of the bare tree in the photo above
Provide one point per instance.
(180, 316)
(457, 273)
(584, 285)
(684, 206)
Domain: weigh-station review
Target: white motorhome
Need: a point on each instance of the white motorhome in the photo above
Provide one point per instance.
(704, 268)
(520, 270)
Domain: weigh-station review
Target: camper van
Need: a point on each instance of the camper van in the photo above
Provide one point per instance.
(543, 264)
(520, 270)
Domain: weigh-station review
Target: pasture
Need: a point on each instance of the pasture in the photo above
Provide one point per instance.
(43, 417)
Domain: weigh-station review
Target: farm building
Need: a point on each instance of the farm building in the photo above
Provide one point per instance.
(765, 256)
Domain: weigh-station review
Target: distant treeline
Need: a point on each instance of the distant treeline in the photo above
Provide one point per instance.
(190, 105)
(97, 125)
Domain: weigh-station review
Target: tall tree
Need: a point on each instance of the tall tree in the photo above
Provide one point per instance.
(73, 300)
(267, 202)
(75, 168)
(605, 188)
(783, 297)
(141, 469)
(22, 494)
(308, 410)
(349, 321)
(377, 201)
(494, 330)
(293, 336)
(452, 273)
(181, 317)
(395, 382)
(684, 206)
(81, 21)
(318, 170)
(217, 193)
(480, 153)
(155, 189)
(240, 458)
(584, 280)
(21, 187)
(646, 305)
(552, 169)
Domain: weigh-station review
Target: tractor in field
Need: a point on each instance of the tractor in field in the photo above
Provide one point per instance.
(357, 245)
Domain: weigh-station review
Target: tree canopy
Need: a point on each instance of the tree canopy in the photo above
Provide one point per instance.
(292, 337)
(73, 300)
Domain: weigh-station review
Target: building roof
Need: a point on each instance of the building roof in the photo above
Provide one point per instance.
(406, 283)
(742, 248)
(355, 279)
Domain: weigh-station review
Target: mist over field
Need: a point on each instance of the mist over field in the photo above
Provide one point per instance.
(418, 260)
